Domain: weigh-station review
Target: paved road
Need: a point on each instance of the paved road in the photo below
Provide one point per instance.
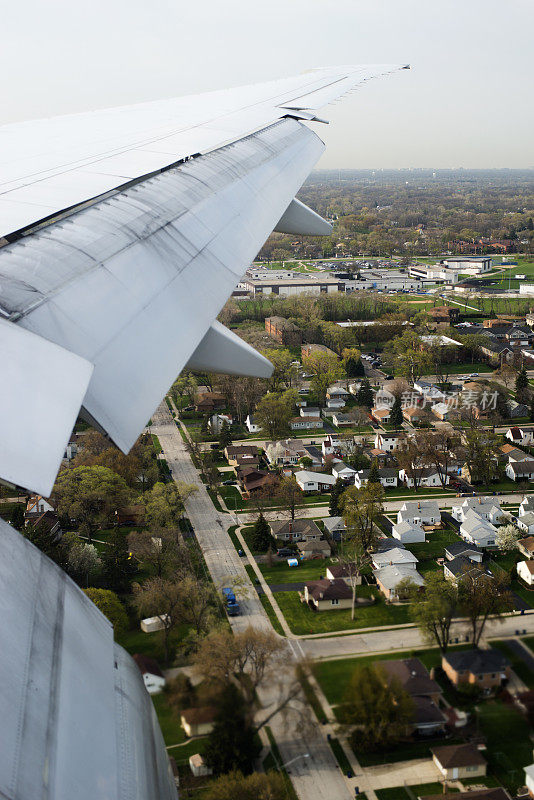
(317, 777)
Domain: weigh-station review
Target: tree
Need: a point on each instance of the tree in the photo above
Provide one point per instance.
(434, 609)
(352, 363)
(361, 509)
(380, 710)
(507, 537)
(262, 538)
(225, 437)
(521, 385)
(90, 495)
(258, 786)
(160, 597)
(289, 495)
(273, 413)
(82, 562)
(164, 503)
(17, 517)
(374, 473)
(162, 549)
(479, 451)
(337, 490)
(118, 566)
(482, 596)
(396, 417)
(40, 536)
(325, 369)
(281, 360)
(111, 607)
(231, 744)
(365, 395)
(197, 603)
(531, 412)
(439, 448)
(410, 357)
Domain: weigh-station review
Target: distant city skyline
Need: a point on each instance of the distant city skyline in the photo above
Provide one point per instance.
(465, 103)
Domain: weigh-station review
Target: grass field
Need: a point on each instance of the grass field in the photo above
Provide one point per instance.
(169, 722)
(306, 571)
(302, 620)
(434, 545)
(273, 619)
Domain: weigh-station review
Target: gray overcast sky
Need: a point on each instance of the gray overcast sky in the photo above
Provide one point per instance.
(467, 101)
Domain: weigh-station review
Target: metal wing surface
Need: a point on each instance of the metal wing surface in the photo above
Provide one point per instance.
(124, 233)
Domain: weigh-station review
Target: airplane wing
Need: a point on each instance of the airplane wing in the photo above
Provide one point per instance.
(122, 234)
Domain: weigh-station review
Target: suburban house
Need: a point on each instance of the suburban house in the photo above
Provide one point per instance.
(283, 331)
(459, 761)
(413, 414)
(335, 527)
(343, 471)
(424, 691)
(326, 594)
(526, 522)
(459, 567)
(456, 549)
(310, 411)
(254, 480)
(217, 421)
(337, 393)
(381, 414)
(529, 779)
(526, 546)
(35, 506)
(314, 481)
(486, 507)
(389, 441)
(429, 392)
(235, 453)
(305, 423)
(477, 530)
(397, 557)
(335, 403)
(385, 543)
(209, 402)
(525, 570)
(389, 477)
(314, 549)
(425, 476)
(407, 533)
(295, 530)
(344, 572)
(251, 425)
(444, 411)
(288, 451)
(484, 668)
(520, 436)
(516, 410)
(520, 470)
(526, 505)
(424, 512)
(330, 447)
(198, 721)
(152, 675)
(342, 420)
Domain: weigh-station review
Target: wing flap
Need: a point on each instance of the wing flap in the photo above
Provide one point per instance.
(223, 351)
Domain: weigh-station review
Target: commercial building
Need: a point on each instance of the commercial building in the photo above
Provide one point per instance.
(469, 265)
(434, 273)
(287, 287)
(283, 331)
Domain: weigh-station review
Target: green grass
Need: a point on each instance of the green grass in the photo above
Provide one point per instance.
(520, 668)
(306, 571)
(467, 369)
(214, 499)
(273, 619)
(151, 644)
(235, 541)
(509, 748)
(302, 620)
(169, 721)
(340, 756)
(183, 753)
(232, 497)
(157, 446)
(435, 543)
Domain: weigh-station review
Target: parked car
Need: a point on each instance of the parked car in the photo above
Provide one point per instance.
(229, 483)
(284, 552)
(390, 377)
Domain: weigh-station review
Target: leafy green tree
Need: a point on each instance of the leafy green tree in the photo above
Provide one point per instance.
(160, 597)
(396, 417)
(374, 474)
(337, 490)
(40, 536)
(231, 744)
(361, 509)
(410, 357)
(236, 786)
(90, 495)
(434, 609)
(17, 517)
(352, 363)
(225, 437)
(481, 597)
(118, 564)
(274, 412)
(379, 708)
(521, 385)
(325, 370)
(365, 395)
(82, 562)
(262, 538)
(111, 607)
(164, 503)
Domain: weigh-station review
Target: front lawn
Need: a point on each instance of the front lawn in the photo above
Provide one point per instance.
(507, 734)
(306, 571)
(302, 620)
(169, 721)
(435, 544)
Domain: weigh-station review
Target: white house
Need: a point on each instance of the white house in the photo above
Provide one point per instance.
(525, 570)
(335, 403)
(485, 507)
(526, 522)
(520, 470)
(251, 425)
(152, 675)
(151, 624)
(529, 779)
(310, 411)
(337, 392)
(288, 451)
(389, 577)
(217, 421)
(426, 476)
(419, 512)
(335, 527)
(305, 423)
(397, 557)
(314, 481)
(407, 533)
(389, 477)
(518, 436)
(526, 505)
(389, 441)
(330, 446)
(477, 530)
(343, 471)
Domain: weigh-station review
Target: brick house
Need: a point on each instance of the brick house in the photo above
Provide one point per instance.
(283, 331)
(486, 669)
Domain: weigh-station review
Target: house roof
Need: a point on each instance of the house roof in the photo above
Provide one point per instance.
(461, 548)
(476, 661)
(198, 716)
(515, 432)
(301, 526)
(242, 450)
(406, 527)
(529, 565)
(460, 565)
(147, 665)
(395, 555)
(326, 589)
(386, 543)
(334, 523)
(342, 570)
(381, 412)
(412, 674)
(383, 472)
(318, 477)
(389, 577)
(458, 755)
(527, 543)
(528, 518)
(473, 521)
(319, 546)
(524, 467)
(414, 507)
(427, 712)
